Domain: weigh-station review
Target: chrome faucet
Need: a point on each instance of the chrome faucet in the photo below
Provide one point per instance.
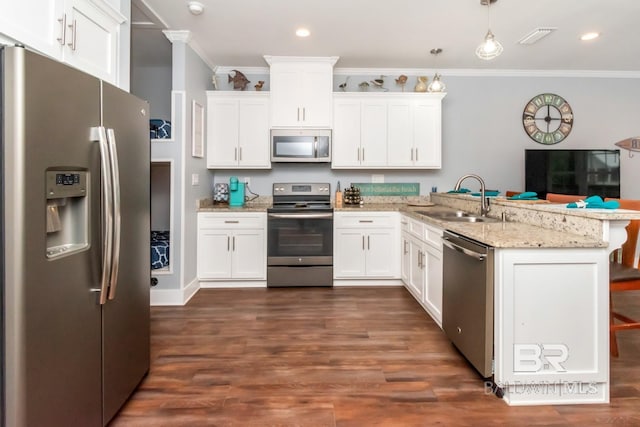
(484, 203)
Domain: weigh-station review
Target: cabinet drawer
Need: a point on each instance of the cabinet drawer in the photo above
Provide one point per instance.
(433, 236)
(365, 220)
(228, 220)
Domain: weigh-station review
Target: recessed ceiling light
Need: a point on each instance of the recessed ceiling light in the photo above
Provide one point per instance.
(303, 32)
(589, 36)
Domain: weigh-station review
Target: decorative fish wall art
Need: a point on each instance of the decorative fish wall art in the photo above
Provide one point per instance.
(239, 80)
(631, 144)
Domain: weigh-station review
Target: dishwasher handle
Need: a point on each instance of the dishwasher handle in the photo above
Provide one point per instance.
(448, 243)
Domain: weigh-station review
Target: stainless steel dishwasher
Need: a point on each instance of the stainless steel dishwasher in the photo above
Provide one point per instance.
(467, 300)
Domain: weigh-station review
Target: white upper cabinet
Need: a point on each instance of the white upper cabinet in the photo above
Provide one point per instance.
(81, 33)
(301, 91)
(359, 133)
(238, 130)
(387, 131)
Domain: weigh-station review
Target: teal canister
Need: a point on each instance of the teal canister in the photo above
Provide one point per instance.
(236, 192)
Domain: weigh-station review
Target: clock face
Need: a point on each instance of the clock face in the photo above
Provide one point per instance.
(547, 118)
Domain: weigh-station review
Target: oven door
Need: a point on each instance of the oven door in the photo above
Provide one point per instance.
(300, 238)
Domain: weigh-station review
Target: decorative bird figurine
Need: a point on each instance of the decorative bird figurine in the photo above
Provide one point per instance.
(259, 85)
(364, 86)
(379, 83)
(343, 86)
(401, 80)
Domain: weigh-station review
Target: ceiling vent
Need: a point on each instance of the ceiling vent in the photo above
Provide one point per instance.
(535, 35)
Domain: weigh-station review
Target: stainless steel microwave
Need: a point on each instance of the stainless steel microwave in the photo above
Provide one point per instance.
(301, 145)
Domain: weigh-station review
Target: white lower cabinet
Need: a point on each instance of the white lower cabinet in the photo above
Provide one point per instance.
(422, 264)
(232, 246)
(365, 245)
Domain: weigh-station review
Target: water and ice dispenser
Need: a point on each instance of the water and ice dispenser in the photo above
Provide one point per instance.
(67, 212)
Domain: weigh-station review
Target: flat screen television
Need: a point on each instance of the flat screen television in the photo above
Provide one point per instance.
(579, 172)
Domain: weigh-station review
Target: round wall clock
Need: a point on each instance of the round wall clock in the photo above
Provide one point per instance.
(547, 118)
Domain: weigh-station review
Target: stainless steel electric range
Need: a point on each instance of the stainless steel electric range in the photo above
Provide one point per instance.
(300, 235)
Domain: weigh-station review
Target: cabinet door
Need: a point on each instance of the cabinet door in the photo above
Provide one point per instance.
(316, 90)
(214, 254)
(285, 96)
(427, 134)
(222, 132)
(346, 134)
(34, 23)
(380, 261)
(249, 256)
(253, 133)
(92, 40)
(400, 133)
(416, 272)
(405, 260)
(433, 285)
(373, 138)
(349, 254)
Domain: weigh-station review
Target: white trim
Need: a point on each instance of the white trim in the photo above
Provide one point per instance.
(367, 282)
(470, 72)
(183, 36)
(233, 284)
(273, 59)
(454, 72)
(149, 9)
(181, 180)
(163, 297)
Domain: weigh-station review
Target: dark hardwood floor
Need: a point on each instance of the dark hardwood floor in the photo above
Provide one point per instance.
(335, 357)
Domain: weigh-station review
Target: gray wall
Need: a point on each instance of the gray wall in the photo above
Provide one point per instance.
(482, 132)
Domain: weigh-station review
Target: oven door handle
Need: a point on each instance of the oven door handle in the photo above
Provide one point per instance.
(301, 215)
(451, 245)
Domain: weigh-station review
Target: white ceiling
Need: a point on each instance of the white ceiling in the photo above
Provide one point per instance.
(400, 33)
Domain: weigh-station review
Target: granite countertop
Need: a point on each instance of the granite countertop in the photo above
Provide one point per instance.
(543, 225)
(501, 234)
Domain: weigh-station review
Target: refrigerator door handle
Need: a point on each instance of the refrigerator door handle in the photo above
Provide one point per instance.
(99, 134)
(115, 178)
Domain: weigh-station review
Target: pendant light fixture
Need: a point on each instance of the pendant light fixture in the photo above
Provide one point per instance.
(436, 84)
(490, 48)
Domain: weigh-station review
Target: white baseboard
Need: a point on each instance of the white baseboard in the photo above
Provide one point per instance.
(160, 297)
(234, 284)
(367, 282)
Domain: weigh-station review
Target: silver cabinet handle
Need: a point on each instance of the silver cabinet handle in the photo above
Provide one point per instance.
(228, 243)
(233, 243)
(99, 134)
(365, 220)
(420, 259)
(117, 223)
(63, 28)
(412, 154)
(74, 30)
(405, 247)
(240, 157)
(363, 154)
(231, 221)
(235, 154)
(363, 242)
(298, 119)
(358, 153)
(304, 114)
(369, 242)
(416, 154)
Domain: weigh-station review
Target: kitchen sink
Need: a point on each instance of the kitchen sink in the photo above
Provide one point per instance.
(456, 216)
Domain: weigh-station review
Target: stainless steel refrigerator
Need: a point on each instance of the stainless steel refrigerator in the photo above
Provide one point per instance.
(74, 243)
